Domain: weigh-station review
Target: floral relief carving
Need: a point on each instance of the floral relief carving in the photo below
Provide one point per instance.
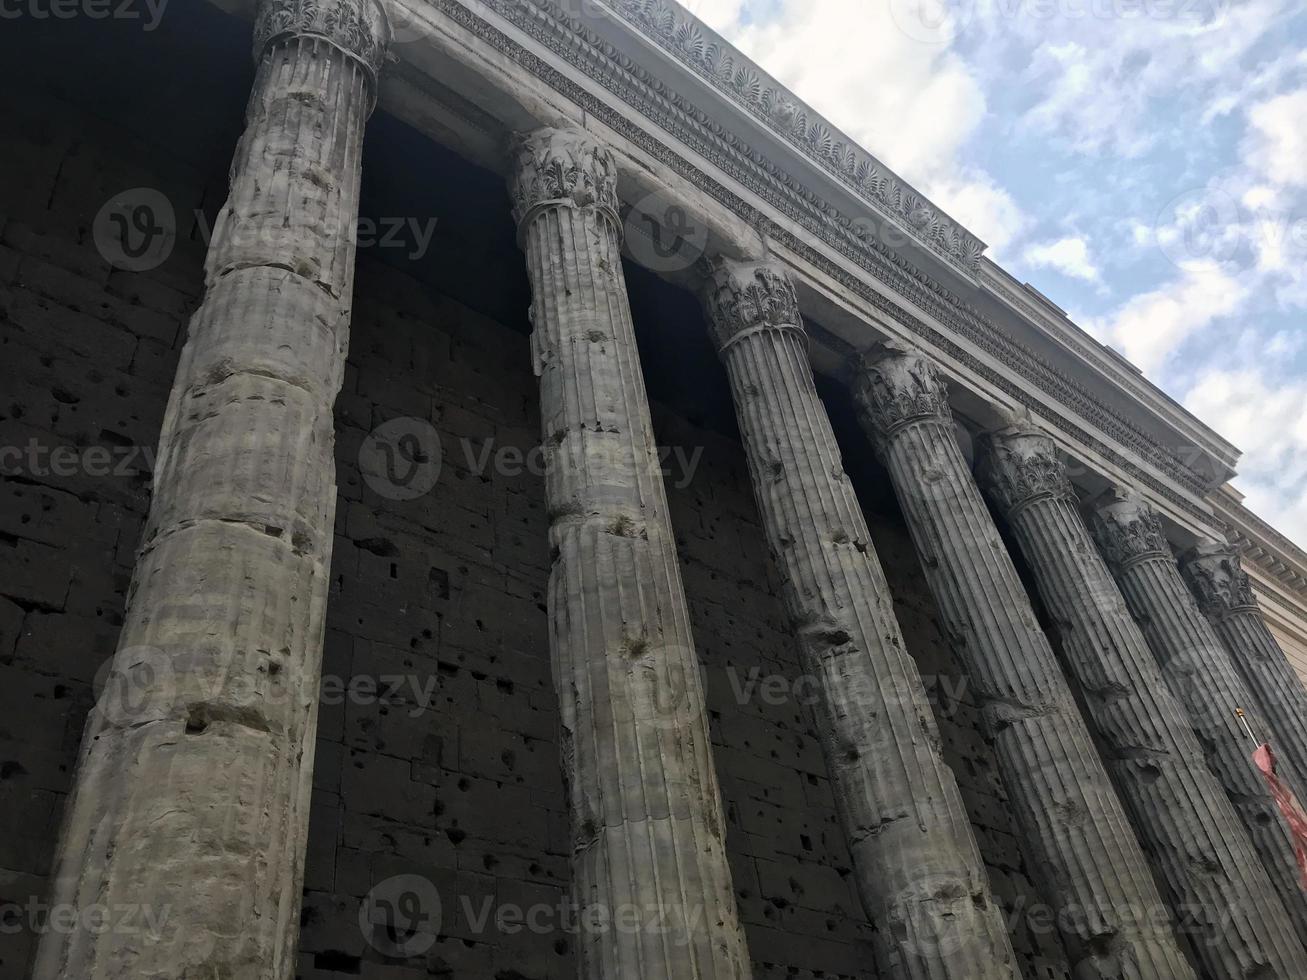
(1216, 577)
(742, 296)
(1020, 464)
(563, 166)
(1127, 528)
(358, 27)
(896, 384)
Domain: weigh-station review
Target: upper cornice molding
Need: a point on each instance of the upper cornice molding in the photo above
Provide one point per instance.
(742, 81)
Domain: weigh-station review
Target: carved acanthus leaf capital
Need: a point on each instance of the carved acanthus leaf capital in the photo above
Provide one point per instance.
(1019, 464)
(745, 296)
(1127, 528)
(1217, 579)
(360, 28)
(896, 384)
(563, 168)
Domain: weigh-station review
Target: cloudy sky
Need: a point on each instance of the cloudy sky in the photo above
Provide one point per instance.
(1141, 162)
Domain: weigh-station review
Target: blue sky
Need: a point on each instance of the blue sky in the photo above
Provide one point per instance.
(1141, 162)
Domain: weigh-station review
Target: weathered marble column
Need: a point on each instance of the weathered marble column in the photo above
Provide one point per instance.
(919, 872)
(191, 799)
(1081, 848)
(1200, 673)
(648, 833)
(1225, 595)
(1235, 923)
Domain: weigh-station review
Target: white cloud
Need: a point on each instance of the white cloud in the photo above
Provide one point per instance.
(1268, 421)
(911, 104)
(1069, 256)
(1277, 142)
(720, 15)
(1149, 327)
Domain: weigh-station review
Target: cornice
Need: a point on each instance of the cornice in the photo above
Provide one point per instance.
(747, 85)
(810, 219)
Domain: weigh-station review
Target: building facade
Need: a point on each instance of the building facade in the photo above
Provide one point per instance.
(502, 488)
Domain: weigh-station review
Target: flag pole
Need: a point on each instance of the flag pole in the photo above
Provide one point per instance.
(1243, 720)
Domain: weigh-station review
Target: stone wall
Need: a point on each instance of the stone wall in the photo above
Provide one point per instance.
(437, 753)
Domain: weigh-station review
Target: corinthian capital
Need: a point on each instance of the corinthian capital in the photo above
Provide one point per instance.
(743, 297)
(1020, 464)
(1127, 528)
(563, 168)
(1217, 579)
(897, 384)
(360, 28)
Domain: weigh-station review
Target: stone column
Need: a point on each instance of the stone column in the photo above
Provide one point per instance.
(1200, 673)
(648, 834)
(919, 872)
(1081, 848)
(191, 799)
(1225, 595)
(1236, 924)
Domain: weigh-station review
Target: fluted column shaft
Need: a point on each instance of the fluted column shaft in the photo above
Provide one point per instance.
(1082, 850)
(191, 799)
(1225, 595)
(919, 872)
(1236, 924)
(1200, 673)
(648, 831)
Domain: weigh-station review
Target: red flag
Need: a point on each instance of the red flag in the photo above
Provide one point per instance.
(1264, 759)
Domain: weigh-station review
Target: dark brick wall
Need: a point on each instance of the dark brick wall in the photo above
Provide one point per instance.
(456, 778)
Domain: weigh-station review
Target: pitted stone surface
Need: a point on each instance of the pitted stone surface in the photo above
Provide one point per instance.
(1200, 672)
(1225, 595)
(647, 821)
(193, 796)
(919, 873)
(1082, 848)
(1234, 921)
